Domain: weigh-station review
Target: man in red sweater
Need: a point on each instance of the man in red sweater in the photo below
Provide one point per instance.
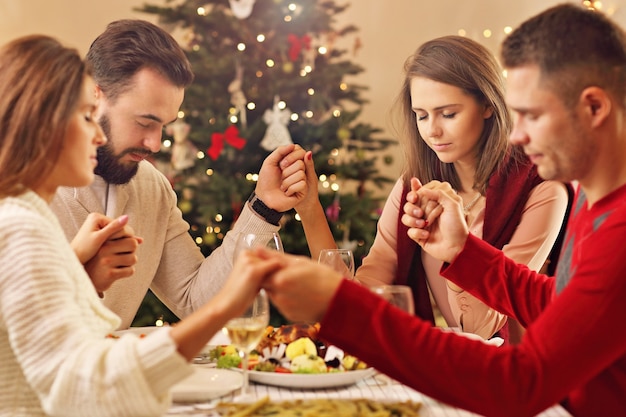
(566, 85)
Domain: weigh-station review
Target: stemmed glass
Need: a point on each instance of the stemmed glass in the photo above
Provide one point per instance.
(269, 240)
(341, 260)
(245, 333)
(400, 296)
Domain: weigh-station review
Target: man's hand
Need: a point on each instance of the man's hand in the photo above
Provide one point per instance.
(301, 288)
(106, 247)
(434, 215)
(282, 180)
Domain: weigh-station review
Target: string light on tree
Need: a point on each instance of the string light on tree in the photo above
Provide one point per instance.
(308, 73)
(592, 5)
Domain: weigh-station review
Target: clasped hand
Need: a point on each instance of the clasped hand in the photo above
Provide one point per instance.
(434, 215)
(106, 247)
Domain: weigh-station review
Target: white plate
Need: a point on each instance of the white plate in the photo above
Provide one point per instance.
(334, 379)
(205, 384)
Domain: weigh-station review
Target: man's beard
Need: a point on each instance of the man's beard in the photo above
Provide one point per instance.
(109, 166)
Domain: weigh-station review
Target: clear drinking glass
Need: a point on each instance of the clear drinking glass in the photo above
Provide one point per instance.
(341, 260)
(269, 240)
(400, 296)
(245, 333)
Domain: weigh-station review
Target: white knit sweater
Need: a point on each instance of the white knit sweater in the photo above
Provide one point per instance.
(55, 358)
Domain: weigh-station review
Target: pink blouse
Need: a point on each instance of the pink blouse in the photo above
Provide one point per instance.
(530, 244)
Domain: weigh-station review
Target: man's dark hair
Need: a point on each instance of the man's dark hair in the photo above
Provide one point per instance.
(128, 45)
(574, 48)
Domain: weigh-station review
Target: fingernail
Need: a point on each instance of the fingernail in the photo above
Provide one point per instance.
(425, 222)
(309, 156)
(123, 218)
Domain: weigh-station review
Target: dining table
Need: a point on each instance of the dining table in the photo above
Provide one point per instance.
(377, 387)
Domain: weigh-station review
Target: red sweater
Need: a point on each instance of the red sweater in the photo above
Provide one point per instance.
(574, 350)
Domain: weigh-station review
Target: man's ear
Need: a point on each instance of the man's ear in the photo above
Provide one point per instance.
(98, 93)
(597, 104)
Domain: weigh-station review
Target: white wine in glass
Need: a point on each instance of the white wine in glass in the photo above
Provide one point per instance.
(341, 260)
(246, 331)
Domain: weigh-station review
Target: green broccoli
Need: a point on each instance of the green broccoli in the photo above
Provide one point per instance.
(229, 361)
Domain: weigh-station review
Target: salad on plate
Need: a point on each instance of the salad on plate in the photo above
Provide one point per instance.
(290, 349)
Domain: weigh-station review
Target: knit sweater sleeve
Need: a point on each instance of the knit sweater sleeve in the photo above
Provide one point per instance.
(185, 280)
(53, 329)
(380, 264)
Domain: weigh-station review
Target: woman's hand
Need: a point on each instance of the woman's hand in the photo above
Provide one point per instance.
(311, 201)
(434, 215)
(106, 247)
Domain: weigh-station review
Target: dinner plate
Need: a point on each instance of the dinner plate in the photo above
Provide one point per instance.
(205, 384)
(333, 379)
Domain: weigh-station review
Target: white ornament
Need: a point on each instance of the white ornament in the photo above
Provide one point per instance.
(241, 8)
(237, 97)
(183, 151)
(277, 133)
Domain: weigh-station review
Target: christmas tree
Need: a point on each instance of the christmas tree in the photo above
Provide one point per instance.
(267, 73)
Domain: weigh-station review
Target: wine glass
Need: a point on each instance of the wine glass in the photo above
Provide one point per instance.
(400, 296)
(245, 333)
(341, 260)
(269, 240)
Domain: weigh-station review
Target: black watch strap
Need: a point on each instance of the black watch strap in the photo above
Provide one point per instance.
(270, 215)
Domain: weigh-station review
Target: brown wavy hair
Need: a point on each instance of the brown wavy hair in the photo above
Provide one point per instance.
(40, 87)
(466, 64)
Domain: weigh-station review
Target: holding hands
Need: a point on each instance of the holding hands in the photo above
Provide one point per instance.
(106, 247)
(434, 215)
(298, 286)
(282, 181)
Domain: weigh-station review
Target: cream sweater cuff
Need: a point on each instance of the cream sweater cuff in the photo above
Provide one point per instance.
(163, 365)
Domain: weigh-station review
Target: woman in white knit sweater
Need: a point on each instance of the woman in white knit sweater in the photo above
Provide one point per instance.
(55, 358)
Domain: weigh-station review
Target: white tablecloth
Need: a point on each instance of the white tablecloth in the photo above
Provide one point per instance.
(374, 388)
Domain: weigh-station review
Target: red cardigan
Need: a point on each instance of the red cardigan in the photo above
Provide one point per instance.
(574, 349)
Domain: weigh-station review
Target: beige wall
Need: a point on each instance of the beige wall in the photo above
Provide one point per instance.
(389, 31)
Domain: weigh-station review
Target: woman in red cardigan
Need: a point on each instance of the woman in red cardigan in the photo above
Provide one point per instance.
(455, 127)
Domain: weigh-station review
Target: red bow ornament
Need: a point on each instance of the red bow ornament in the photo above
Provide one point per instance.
(231, 136)
(297, 44)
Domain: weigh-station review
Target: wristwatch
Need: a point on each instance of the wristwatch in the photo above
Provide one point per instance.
(270, 215)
